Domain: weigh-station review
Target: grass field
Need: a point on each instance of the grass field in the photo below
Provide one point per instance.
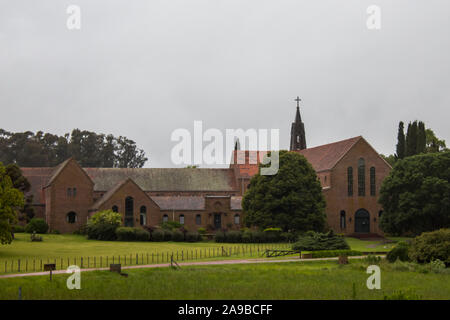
(290, 280)
(69, 249)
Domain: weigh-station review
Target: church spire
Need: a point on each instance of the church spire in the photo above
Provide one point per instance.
(298, 138)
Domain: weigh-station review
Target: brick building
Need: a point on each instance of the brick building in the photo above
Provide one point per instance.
(350, 172)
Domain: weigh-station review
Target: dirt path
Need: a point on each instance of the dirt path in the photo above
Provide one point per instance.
(161, 265)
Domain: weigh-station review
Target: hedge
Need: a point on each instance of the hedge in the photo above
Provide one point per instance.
(132, 234)
(37, 225)
(335, 253)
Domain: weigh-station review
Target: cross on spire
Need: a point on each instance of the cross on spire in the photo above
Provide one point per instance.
(298, 101)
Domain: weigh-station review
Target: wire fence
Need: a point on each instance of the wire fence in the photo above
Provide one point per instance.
(23, 265)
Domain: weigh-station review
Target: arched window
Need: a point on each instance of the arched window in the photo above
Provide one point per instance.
(69, 192)
(143, 216)
(342, 219)
(71, 217)
(380, 213)
(198, 219)
(236, 219)
(361, 177)
(165, 218)
(350, 181)
(74, 192)
(181, 218)
(115, 208)
(129, 209)
(372, 181)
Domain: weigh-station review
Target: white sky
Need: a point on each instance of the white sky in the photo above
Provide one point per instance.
(145, 68)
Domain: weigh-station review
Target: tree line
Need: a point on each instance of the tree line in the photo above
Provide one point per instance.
(90, 149)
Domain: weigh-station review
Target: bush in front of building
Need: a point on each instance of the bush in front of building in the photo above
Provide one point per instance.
(167, 235)
(193, 237)
(335, 253)
(102, 225)
(399, 252)
(37, 225)
(177, 236)
(18, 228)
(253, 236)
(315, 241)
(157, 235)
(132, 234)
(431, 246)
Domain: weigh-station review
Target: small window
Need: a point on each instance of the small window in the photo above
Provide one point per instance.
(182, 219)
(236, 219)
(69, 192)
(165, 218)
(198, 219)
(342, 219)
(115, 209)
(361, 177)
(71, 217)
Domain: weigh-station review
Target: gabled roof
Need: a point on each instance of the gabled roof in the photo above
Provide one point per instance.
(164, 179)
(179, 202)
(59, 168)
(38, 178)
(326, 156)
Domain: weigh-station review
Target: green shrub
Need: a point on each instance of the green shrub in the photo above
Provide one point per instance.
(18, 228)
(288, 237)
(335, 253)
(102, 225)
(201, 231)
(102, 231)
(81, 230)
(246, 236)
(314, 241)
(132, 234)
(193, 237)
(430, 246)
(220, 236)
(234, 237)
(171, 225)
(177, 236)
(55, 232)
(168, 235)
(400, 251)
(157, 235)
(37, 225)
(258, 237)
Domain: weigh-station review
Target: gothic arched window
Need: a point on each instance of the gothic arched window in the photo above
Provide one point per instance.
(372, 181)
(71, 217)
(361, 177)
(181, 218)
(342, 219)
(350, 181)
(198, 219)
(165, 218)
(143, 216)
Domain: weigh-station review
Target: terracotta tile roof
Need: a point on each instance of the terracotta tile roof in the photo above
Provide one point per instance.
(164, 179)
(179, 202)
(236, 203)
(38, 178)
(326, 156)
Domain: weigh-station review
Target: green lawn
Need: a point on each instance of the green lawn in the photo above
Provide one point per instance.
(293, 280)
(69, 249)
(60, 248)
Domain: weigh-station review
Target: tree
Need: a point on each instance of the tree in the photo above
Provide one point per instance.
(26, 212)
(400, 141)
(416, 195)
(10, 199)
(421, 138)
(292, 199)
(433, 144)
(391, 159)
(411, 139)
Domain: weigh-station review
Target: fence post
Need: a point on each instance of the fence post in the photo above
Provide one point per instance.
(41, 265)
(137, 259)
(18, 265)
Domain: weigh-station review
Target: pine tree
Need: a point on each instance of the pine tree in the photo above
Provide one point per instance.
(400, 141)
(411, 139)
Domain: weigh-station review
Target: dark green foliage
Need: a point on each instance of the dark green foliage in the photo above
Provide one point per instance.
(168, 235)
(101, 231)
(313, 241)
(18, 228)
(171, 225)
(193, 237)
(411, 139)
(421, 138)
(88, 148)
(292, 199)
(234, 237)
(335, 253)
(433, 144)
(37, 225)
(400, 251)
(249, 236)
(220, 236)
(157, 235)
(430, 246)
(400, 141)
(132, 234)
(416, 195)
(177, 236)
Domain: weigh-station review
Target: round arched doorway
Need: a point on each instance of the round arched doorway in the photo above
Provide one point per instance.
(362, 221)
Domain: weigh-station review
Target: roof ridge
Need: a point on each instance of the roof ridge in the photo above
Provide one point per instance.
(331, 143)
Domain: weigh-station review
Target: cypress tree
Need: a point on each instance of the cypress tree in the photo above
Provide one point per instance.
(401, 141)
(421, 138)
(411, 139)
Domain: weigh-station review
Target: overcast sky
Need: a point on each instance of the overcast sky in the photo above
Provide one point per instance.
(144, 68)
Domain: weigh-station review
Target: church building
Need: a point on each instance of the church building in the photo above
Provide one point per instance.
(350, 171)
